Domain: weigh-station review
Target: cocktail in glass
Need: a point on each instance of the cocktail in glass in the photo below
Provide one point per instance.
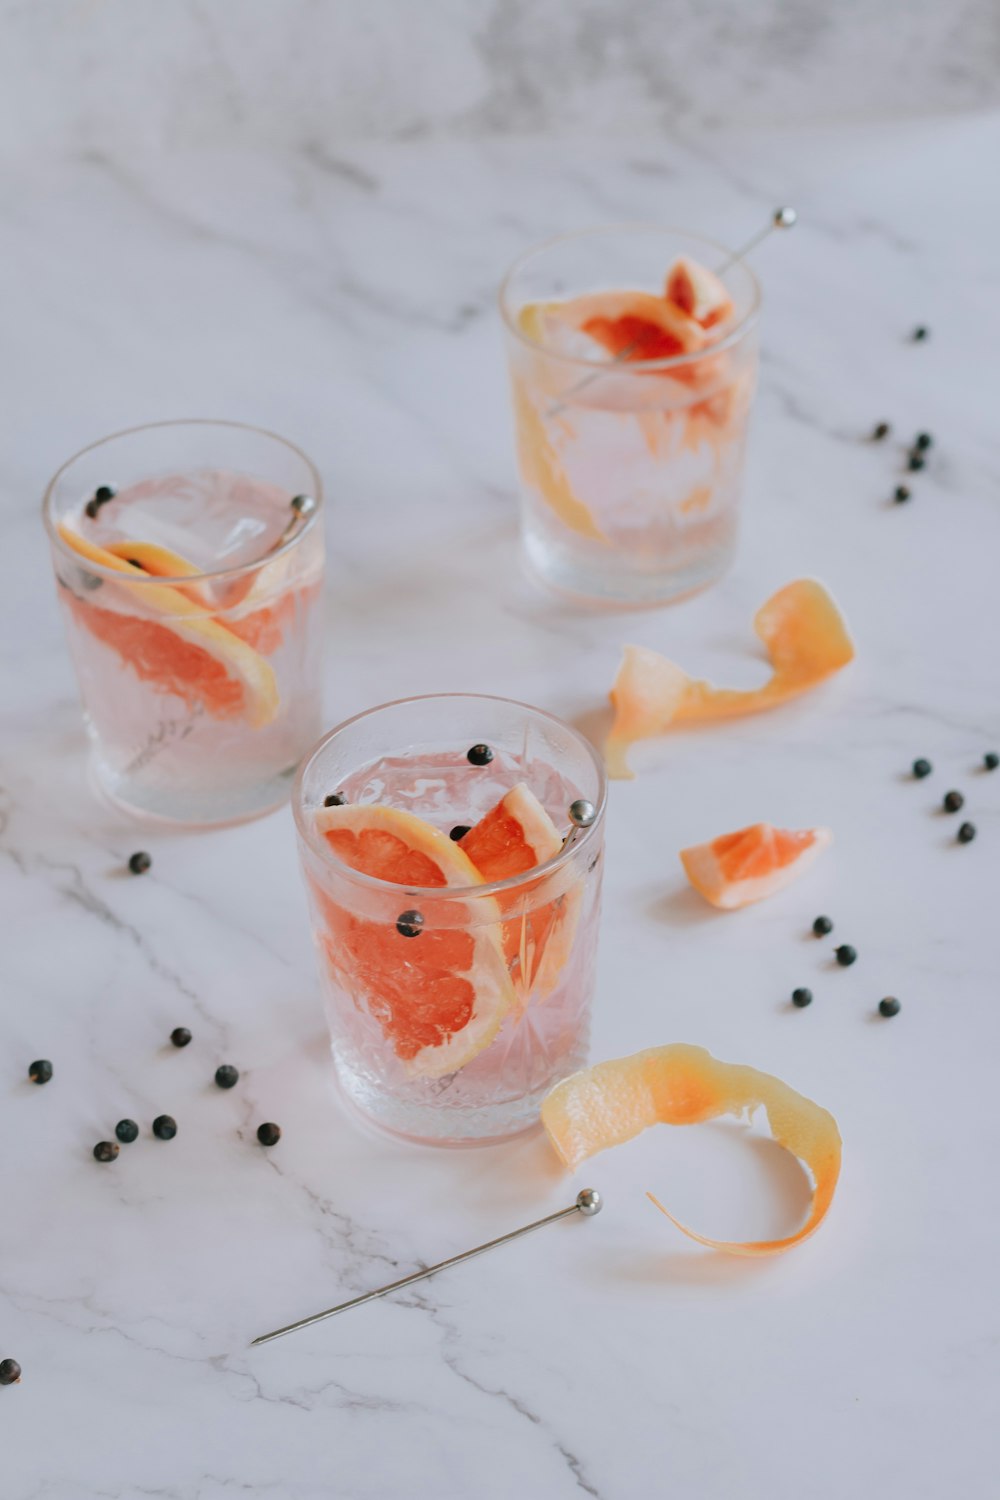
(189, 559)
(454, 898)
(633, 366)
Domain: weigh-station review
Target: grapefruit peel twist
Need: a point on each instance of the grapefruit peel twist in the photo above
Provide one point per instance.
(806, 640)
(615, 1101)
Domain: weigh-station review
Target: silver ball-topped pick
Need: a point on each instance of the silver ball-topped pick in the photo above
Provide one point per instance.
(784, 218)
(302, 508)
(588, 1203)
(582, 813)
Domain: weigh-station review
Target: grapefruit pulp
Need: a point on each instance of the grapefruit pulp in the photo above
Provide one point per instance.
(439, 998)
(515, 836)
(738, 868)
(175, 649)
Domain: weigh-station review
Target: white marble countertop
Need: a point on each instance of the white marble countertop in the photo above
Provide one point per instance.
(347, 301)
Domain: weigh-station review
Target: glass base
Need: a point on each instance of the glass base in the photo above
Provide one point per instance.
(435, 1124)
(617, 583)
(181, 808)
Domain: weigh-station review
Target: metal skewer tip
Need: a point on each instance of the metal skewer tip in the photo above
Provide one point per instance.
(302, 508)
(588, 1203)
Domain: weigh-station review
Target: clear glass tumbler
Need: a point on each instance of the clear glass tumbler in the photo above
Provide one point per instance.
(631, 417)
(455, 1001)
(191, 587)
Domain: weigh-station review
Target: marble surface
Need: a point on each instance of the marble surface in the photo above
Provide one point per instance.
(346, 299)
(94, 73)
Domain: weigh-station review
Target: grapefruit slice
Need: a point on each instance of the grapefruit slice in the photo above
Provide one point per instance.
(514, 836)
(682, 1085)
(179, 651)
(629, 325)
(738, 868)
(542, 470)
(262, 627)
(439, 998)
(698, 292)
(806, 640)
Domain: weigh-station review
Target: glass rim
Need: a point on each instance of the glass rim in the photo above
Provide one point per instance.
(140, 580)
(452, 892)
(637, 226)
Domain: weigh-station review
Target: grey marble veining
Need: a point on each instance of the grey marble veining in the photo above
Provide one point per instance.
(314, 73)
(345, 297)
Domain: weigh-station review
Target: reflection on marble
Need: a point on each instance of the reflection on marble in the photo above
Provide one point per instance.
(346, 298)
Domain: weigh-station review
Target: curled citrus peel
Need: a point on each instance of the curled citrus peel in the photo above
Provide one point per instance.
(806, 640)
(683, 1085)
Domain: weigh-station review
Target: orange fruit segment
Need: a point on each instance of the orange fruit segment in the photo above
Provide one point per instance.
(738, 868)
(806, 640)
(698, 292)
(262, 628)
(176, 649)
(439, 998)
(514, 836)
(683, 1085)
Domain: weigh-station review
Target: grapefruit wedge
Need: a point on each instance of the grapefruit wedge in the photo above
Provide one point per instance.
(175, 648)
(698, 292)
(514, 836)
(440, 997)
(682, 1085)
(738, 868)
(262, 626)
(806, 641)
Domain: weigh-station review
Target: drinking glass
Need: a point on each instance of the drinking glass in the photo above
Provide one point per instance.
(630, 467)
(452, 1009)
(191, 588)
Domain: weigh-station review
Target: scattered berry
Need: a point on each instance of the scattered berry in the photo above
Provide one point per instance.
(846, 955)
(881, 431)
(915, 462)
(165, 1127)
(127, 1131)
(40, 1071)
(923, 441)
(991, 760)
(139, 863)
(953, 802)
(920, 334)
(269, 1134)
(180, 1036)
(334, 800)
(802, 998)
(459, 831)
(106, 1150)
(226, 1076)
(922, 768)
(890, 1006)
(822, 926)
(101, 496)
(409, 923)
(966, 833)
(900, 493)
(10, 1372)
(480, 755)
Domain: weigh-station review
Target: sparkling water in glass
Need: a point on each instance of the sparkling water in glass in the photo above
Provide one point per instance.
(630, 467)
(537, 931)
(192, 595)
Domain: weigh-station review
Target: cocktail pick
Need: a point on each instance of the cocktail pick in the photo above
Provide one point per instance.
(782, 218)
(302, 508)
(588, 1202)
(581, 814)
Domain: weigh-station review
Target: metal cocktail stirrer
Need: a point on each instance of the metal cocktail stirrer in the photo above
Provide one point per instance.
(782, 218)
(302, 507)
(588, 1203)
